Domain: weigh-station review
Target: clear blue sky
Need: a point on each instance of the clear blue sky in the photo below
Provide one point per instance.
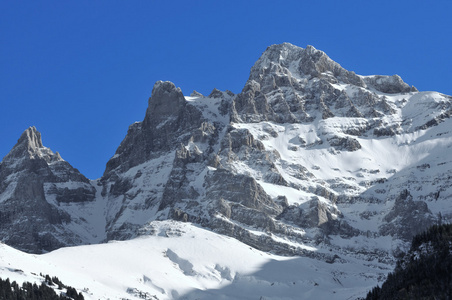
(82, 71)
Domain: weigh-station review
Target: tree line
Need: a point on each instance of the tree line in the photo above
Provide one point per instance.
(424, 272)
(31, 291)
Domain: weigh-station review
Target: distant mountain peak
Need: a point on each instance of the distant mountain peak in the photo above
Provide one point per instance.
(30, 146)
(196, 94)
(295, 61)
(286, 76)
(287, 53)
(166, 101)
(32, 180)
(32, 137)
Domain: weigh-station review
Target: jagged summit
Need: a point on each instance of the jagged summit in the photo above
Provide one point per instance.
(34, 182)
(166, 102)
(30, 146)
(290, 84)
(196, 94)
(32, 137)
(285, 57)
(316, 63)
(167, 122)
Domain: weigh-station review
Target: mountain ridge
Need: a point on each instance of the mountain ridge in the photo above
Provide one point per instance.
(307, 154)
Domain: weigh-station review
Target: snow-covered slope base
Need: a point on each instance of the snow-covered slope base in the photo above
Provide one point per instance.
(183, 261)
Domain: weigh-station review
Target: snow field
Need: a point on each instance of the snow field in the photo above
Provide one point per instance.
(183, 261)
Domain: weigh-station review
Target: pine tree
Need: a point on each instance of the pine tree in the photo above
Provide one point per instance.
(426, 275)
(29, 291)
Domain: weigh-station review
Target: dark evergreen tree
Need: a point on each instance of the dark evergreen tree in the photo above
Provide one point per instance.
(425, 272)
(29, 291)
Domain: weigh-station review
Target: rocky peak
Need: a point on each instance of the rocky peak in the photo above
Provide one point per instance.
(289, 59)
(32, 138)
(289, 84)
(30, 146)
(196, 94)
(169, 121)
(32, 180)
(312, 62)
(166, 102)
(278, 54)
(216, 93)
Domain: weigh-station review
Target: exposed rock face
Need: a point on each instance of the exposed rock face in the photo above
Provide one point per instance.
(178, 138)
(168, 122)
(289, 84)
(388, 84)
(405, 215)
(240, 189)
(307, 156)
(34, 181)
(346, 143)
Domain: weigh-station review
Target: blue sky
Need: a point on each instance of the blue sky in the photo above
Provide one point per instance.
(82, 71)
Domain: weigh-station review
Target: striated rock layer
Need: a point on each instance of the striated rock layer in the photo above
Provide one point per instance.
(308, 156)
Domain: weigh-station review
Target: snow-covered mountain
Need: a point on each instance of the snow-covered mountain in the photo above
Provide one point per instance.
(308, 160)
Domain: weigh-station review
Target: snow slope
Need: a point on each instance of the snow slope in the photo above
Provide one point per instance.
(183, 261)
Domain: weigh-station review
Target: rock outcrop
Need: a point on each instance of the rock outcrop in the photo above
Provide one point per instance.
(406, 213)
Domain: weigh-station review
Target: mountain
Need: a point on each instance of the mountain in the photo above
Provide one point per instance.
(308, 160)
(43, 198)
